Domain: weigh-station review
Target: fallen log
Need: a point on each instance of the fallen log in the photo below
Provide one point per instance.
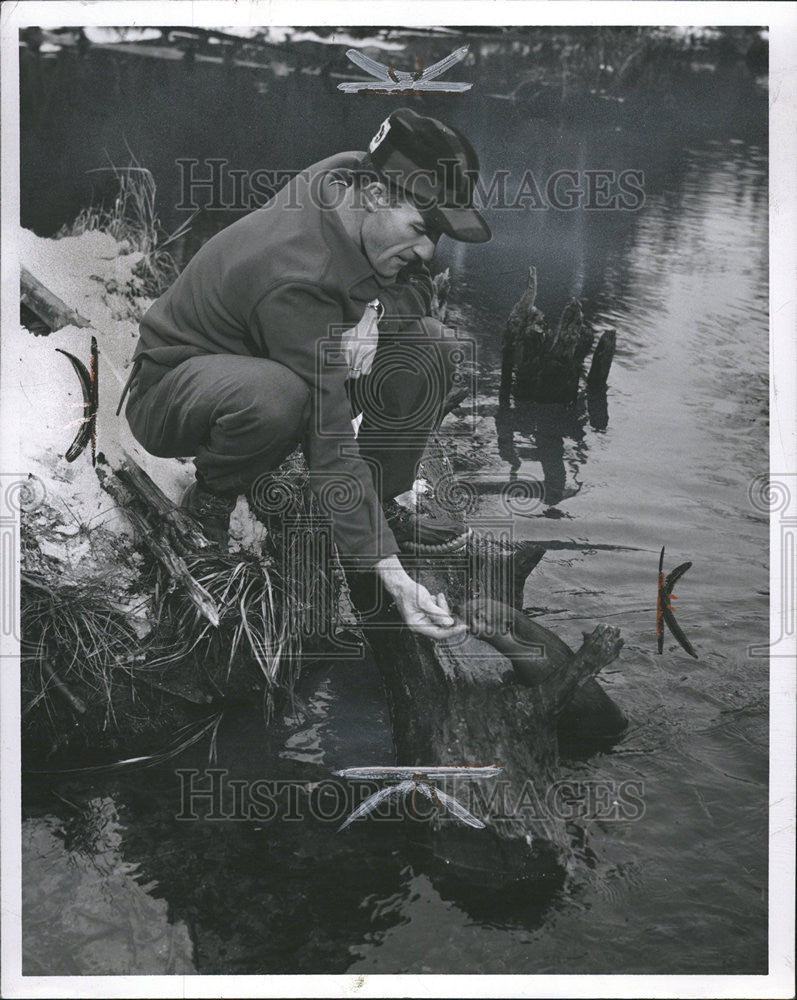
(182, 528)
(158, 524)
(51, 310)
(461, 701)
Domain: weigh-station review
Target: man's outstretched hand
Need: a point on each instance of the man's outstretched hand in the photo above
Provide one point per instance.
(420, 611)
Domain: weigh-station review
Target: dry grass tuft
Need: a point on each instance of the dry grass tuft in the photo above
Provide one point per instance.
(133, 219)
(75, 642)
(268, 610)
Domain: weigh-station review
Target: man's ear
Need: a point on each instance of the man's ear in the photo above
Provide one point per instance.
(375, 196)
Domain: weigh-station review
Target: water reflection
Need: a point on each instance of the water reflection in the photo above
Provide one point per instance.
(88, 910)
(283, 896)
(547, 425)
(122, 881)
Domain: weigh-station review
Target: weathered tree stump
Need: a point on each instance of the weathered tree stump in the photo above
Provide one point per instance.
(597, 407)
(544, 365)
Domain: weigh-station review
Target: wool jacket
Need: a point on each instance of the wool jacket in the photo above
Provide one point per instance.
(283, 283)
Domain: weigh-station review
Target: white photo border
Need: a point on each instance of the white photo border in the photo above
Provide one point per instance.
(782, 21)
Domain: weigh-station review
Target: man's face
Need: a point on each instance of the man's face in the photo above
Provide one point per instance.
(394, 235)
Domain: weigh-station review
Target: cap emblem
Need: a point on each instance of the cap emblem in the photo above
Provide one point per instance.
(377, 140)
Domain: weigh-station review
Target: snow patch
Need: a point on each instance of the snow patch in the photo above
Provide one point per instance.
(93, 274)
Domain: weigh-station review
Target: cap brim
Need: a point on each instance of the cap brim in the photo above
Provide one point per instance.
(463, 224)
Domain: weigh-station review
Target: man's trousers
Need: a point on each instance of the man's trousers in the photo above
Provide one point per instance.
(240, 417)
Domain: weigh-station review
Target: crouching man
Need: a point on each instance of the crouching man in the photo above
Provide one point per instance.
(301, 315)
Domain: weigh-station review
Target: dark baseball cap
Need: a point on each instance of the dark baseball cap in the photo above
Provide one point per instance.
(436, 167)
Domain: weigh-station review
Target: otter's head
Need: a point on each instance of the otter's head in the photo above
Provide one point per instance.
(488, 619)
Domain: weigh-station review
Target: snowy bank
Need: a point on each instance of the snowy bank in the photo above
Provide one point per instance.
(107, 642)
(94, 274)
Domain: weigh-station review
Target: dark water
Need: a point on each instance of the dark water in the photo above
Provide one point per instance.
(114, 883)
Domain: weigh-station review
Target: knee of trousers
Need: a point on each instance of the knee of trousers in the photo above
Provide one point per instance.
(279, 408)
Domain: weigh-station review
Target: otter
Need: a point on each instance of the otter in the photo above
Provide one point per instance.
(535, 652)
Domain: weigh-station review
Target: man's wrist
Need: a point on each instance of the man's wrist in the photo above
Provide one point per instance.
(392, 574)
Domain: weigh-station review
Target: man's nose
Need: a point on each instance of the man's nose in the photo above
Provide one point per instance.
(424, 249)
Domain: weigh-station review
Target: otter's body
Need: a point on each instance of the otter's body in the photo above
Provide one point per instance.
(535, 652)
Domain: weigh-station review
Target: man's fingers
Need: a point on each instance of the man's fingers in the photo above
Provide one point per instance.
(428, 615)
(438, 631)
(440, 615)
(458, 628)
(425, 617)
